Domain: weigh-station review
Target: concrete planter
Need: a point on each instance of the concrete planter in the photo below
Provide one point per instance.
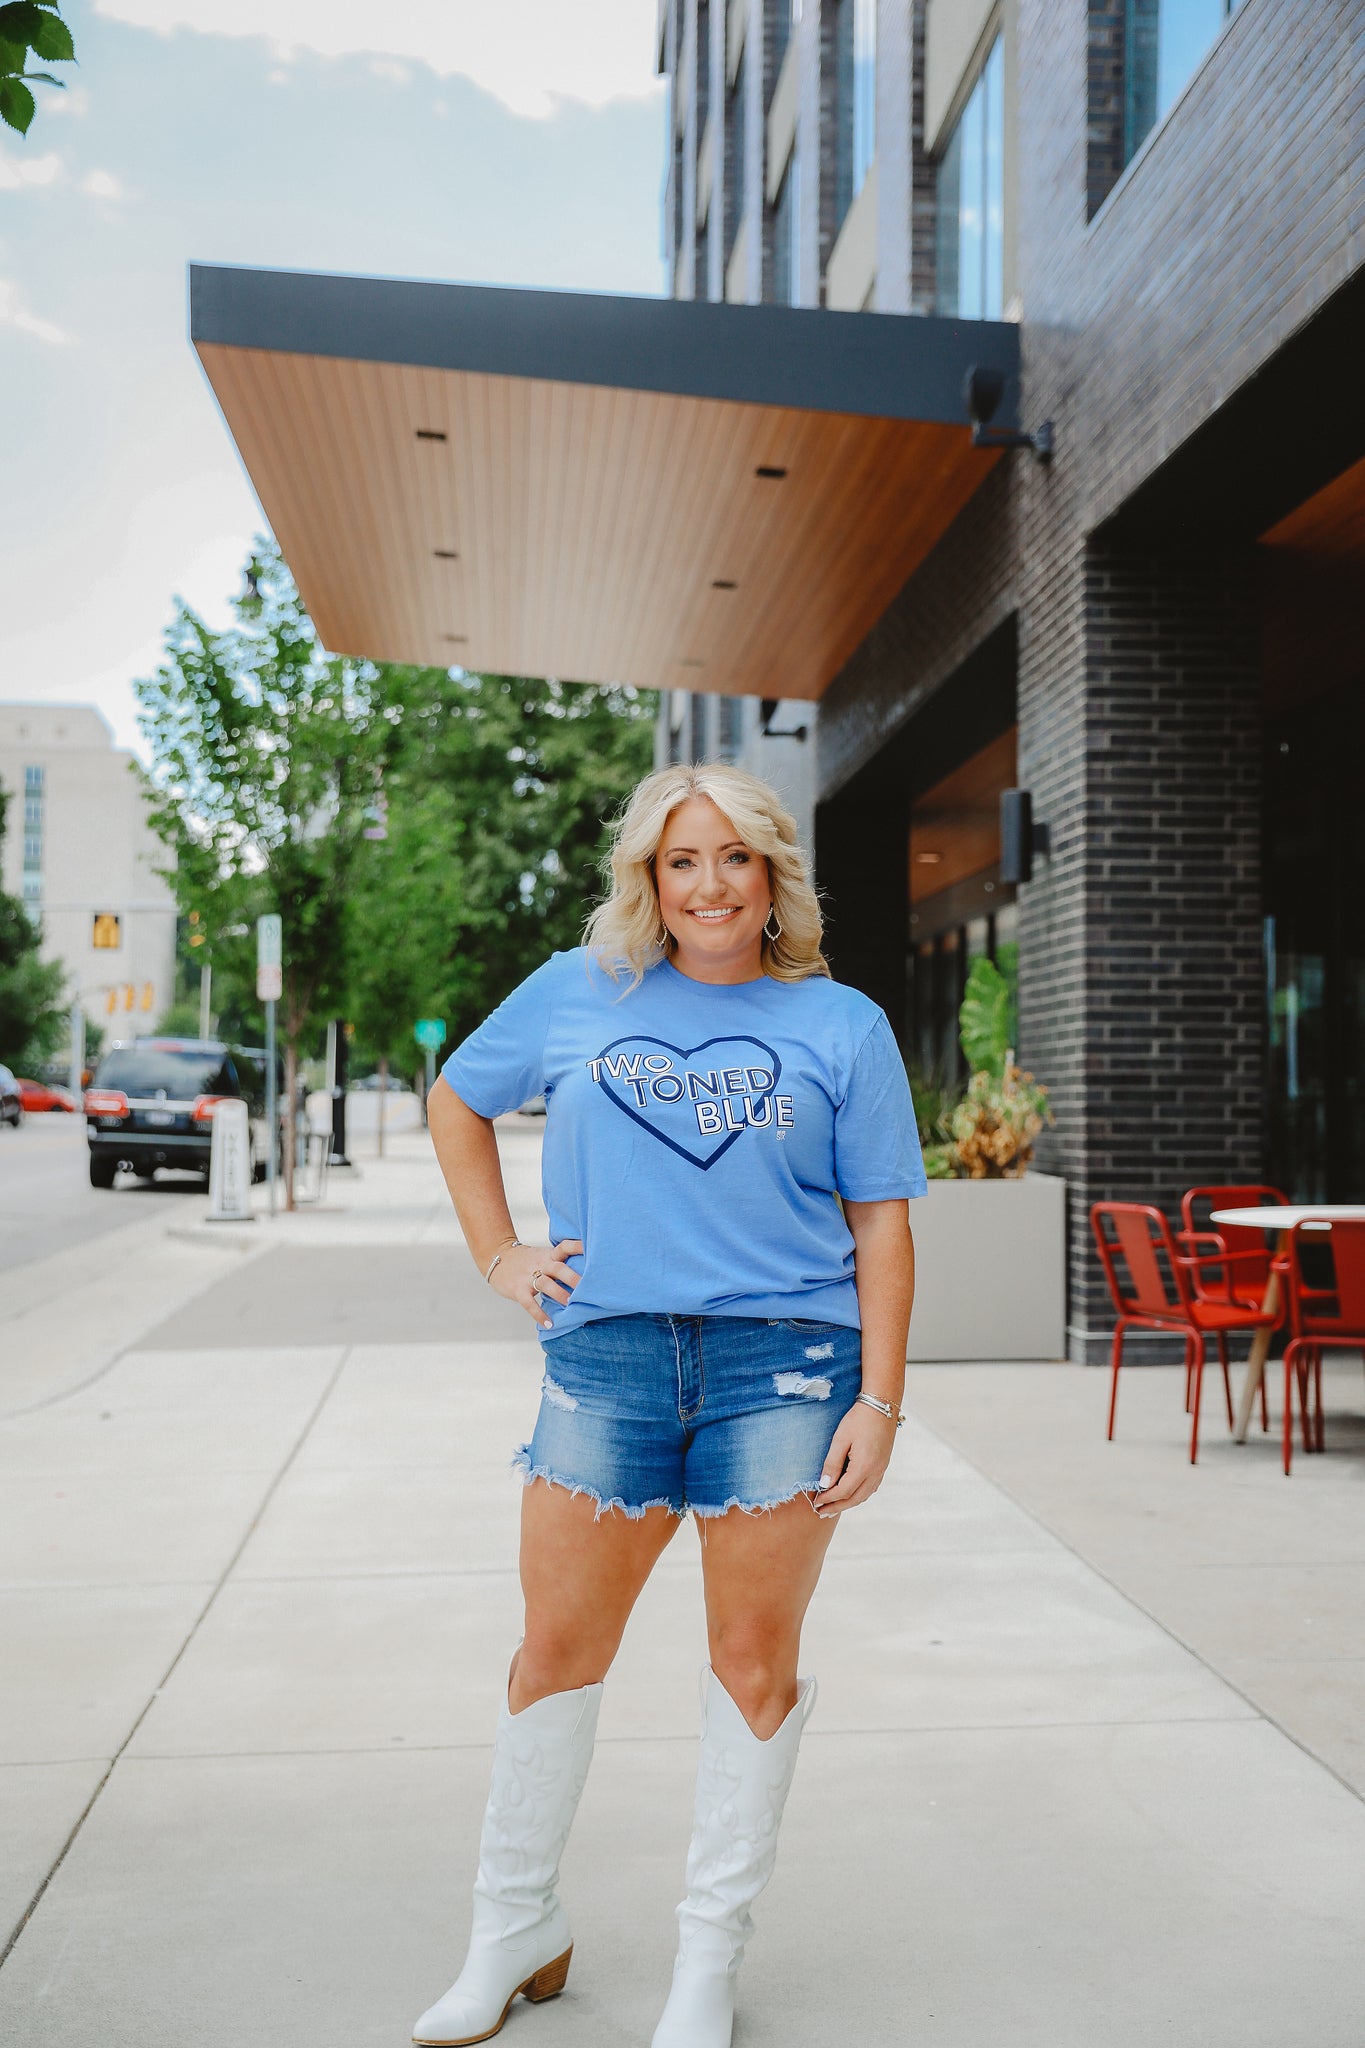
(990, 1269)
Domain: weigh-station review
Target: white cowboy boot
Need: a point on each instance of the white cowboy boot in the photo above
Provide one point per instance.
(742, 1787)
(519, 1939)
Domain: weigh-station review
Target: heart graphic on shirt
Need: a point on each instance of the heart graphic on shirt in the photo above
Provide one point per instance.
(682, 1136)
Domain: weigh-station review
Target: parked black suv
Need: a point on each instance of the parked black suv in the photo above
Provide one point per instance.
(152, 1103)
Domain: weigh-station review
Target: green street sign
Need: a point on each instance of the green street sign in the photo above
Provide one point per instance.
(430, 1033)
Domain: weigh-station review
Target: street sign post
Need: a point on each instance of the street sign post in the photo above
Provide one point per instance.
(269, 984)
(430, 1033)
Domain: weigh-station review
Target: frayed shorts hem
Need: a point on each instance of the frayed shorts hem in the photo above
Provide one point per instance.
(702, 1510)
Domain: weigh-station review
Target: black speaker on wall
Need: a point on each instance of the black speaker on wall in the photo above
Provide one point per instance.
(1017, 838)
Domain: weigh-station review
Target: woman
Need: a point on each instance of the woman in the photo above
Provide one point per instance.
(718, 1338)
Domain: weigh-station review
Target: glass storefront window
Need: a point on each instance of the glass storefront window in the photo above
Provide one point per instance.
(1165, 41)
(1314, 879)
(971, 201)
(787, 236)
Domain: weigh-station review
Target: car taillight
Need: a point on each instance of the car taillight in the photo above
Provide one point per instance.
(206, 1105)
(105, 1102)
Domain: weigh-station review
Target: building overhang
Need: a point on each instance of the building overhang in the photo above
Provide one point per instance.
(674, 494)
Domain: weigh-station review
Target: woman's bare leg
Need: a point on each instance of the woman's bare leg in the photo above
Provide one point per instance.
(760, 1571)
(581, 1574)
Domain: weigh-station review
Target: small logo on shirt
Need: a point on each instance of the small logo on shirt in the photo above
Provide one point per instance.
(687, 1096)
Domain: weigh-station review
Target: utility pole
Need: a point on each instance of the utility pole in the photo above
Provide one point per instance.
(269, 982)
(76, 1072)
(205, 1000)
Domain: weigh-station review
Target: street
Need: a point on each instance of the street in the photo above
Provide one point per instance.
(259, 1593)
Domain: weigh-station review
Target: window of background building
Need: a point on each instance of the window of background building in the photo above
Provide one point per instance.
(1164, 43)
(34, 780)
(787, 17)
(734, 153)
(697, 728)
(971, 201)
(729, 715)
(787, 235)
(864, 90)
(703, 103)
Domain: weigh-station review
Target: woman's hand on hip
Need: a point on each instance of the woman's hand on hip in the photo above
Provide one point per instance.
(855, 1463)
(526, 1270)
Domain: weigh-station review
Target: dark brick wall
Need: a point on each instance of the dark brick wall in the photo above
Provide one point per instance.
(1138, 678)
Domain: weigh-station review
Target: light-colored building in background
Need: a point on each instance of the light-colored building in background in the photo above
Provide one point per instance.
(80, 852)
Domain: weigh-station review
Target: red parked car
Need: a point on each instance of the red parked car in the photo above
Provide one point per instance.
(36, 1095)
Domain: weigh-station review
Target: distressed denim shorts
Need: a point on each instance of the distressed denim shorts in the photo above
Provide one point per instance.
(705, 1413)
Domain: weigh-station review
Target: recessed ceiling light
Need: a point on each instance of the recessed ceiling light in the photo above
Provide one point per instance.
(723, 583)
(769, 469)
(929, 860)
(430, 434)
(445, 554)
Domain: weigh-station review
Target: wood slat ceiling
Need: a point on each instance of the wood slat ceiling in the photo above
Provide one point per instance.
(590, 524)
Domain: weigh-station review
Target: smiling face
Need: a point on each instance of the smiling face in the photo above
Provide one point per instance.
(714, 894)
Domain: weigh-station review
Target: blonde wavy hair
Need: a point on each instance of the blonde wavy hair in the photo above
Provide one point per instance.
(627, 932)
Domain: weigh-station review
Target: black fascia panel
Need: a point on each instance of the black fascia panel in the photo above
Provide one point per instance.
(879, 365)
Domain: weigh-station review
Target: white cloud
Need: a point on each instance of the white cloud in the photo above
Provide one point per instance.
(75, 100)
(101, 185)
(17, 170)
(527, 53)
(14, 313)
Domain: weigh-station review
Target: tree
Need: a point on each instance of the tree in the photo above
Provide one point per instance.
(29, 26)
(496, 801)
(267, 754)
(32, 1013)
(427, 836)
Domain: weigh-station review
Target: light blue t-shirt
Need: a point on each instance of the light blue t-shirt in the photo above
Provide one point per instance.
(696, 1135)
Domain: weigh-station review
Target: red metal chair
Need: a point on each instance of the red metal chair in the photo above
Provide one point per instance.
(1235, 1264)
(1159, 1295)
(1320, 1320)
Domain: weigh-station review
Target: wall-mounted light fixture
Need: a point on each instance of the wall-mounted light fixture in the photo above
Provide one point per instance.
(982, 391)
(1020, 836)
(767, 712)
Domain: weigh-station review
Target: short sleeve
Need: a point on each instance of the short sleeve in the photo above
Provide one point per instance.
(876, 1143)
(501, 1065)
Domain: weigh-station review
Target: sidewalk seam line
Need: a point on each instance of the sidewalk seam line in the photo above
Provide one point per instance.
(190, 1635)
(1133, 1601)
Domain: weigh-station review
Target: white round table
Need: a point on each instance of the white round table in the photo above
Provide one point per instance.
(1281, 1217)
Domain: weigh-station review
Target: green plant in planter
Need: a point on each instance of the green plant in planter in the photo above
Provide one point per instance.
(988, 1133)
(986, 1023)
(996, 1122)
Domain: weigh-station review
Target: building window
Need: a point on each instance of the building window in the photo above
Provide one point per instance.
(33, 850)
(787, 236)
(729, 718)
(864, 90)
(33, 888)
(34, 778)
(734, 165)
(788, 15)
(1165, 41)
(697, 722)
(971, 201)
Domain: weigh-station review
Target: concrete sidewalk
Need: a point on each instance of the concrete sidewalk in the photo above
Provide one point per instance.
(259, 1595)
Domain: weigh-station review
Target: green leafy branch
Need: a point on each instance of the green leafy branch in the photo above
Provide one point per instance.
(29, 27)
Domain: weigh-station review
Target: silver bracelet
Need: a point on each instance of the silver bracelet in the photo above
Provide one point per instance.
(497, 1257)
(882, 1408)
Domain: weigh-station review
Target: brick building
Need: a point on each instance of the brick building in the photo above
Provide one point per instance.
(764, 497)
(1157, 633)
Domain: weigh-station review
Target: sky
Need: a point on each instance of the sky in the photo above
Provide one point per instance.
(516, 142)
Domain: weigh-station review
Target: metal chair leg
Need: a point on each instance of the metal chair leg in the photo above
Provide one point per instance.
(1227, 1377)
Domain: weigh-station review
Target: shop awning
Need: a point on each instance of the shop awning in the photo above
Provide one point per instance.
(661, 492)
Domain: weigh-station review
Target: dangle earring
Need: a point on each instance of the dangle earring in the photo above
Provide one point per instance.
(772, 913)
